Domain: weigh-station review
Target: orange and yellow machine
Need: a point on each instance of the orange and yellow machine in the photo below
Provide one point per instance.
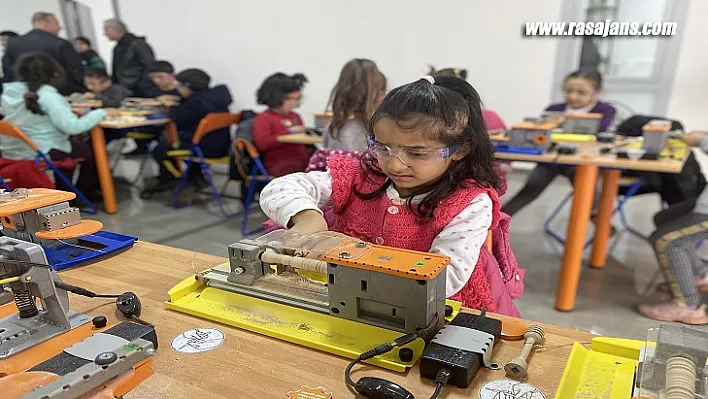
(45, 217)
(325, 291)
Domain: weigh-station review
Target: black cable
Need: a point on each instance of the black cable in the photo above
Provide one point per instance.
(81, 291)
(389, 346)
(440, 381)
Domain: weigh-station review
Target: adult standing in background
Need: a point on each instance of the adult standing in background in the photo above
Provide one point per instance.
(132, 57)
(44, 39)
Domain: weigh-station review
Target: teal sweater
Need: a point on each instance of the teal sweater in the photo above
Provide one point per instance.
(50, 131)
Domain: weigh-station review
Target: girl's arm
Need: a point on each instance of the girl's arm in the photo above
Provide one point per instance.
(462, 240)
(59, 112)
(290, 195)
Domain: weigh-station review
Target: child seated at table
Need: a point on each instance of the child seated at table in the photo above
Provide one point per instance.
(102, 88)
(582, 96)
(199, 100)
(429, 187)
(162, 75)
(35, 106)
(281, 94)
(680, 228)
(354, 98)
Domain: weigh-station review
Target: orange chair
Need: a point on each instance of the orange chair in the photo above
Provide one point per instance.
(208, 124)
(42, 161)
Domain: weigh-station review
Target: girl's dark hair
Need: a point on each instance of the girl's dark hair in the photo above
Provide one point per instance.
(84, 40)
(355, 94)
(278, 85)
(449, 111)
(591, 75)
(37, 69)
(195, 79)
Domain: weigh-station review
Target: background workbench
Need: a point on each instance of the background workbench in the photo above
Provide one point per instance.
(251, 365)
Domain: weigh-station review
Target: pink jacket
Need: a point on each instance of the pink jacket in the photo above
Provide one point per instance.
(505, 278)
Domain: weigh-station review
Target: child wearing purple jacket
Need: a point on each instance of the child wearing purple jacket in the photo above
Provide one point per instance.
(582, 91)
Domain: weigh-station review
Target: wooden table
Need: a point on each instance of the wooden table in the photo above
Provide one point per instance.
(300, 138)
(248, 365)
(98, 141)
(588, 161)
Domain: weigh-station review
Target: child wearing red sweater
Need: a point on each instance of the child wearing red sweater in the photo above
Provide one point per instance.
(428, 187)
(281, 93)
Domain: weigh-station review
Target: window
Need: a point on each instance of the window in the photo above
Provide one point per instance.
(638, 72)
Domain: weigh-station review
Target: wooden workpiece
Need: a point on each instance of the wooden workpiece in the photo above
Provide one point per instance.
(252, 365)
(300, 138)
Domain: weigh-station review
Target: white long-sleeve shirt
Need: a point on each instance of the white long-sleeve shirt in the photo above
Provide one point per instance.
(461, 239)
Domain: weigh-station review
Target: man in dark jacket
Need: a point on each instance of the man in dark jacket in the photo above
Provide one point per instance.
(132, 57)
(43, 38)
(198, 101)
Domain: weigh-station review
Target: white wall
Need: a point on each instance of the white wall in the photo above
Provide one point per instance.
(240, 43)
(17, 15)
(689, 102)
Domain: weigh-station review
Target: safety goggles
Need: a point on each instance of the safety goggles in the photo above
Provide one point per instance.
(410, 156)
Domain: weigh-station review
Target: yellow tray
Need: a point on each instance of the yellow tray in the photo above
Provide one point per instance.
(303, 327)
(605, 371)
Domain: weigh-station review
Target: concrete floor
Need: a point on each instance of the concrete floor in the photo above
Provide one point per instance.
(607, 298)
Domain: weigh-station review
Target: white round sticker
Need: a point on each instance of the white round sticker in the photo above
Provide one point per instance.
(509, 389)
(198, 340)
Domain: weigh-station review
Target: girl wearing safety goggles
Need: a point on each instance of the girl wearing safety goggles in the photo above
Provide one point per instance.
(427, 184)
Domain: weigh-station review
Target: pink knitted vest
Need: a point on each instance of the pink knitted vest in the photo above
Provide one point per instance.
(381, 222)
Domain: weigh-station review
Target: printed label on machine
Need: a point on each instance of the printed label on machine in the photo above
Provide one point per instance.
(198, 340)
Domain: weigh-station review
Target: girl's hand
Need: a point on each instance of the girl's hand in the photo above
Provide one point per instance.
(89, 95)
(297, 129)
(308, 221)
(112, 112)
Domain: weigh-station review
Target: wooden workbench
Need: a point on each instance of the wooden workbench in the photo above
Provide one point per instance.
(248, 365)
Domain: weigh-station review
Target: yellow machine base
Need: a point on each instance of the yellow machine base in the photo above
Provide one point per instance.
(604, 371)
(303, 327)
(570, 137)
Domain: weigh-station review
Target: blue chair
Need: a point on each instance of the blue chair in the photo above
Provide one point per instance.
(208, 124)
(42, 161)
(244, 149)
(3, 183)
(632, 185)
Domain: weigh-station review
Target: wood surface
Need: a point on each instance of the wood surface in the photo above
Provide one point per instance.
(248, 365)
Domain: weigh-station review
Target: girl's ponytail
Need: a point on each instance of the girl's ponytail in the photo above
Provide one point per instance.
(31, 97)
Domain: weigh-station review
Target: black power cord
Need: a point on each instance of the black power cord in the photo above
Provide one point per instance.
(128, 303)
(377, 388)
